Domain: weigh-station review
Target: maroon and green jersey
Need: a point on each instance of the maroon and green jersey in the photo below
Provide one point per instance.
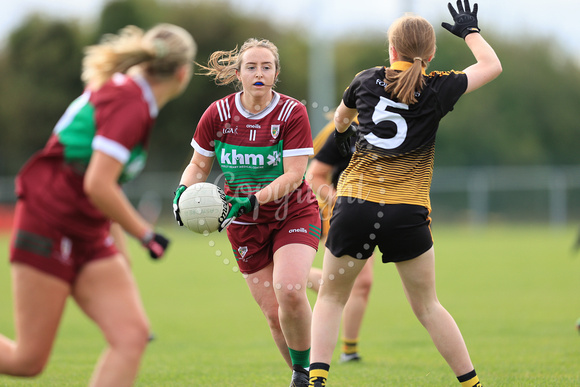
(250, 149)
(116, 120)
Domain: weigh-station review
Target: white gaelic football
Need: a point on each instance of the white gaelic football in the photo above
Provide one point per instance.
(203, 207)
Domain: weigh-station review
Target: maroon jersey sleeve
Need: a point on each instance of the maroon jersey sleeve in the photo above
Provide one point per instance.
(204, 136)
(298, 135)
(122, 115)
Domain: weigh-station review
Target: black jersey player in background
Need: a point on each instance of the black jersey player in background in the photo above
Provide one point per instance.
(385, 189)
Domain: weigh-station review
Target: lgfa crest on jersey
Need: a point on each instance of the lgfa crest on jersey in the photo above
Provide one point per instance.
(275, 130)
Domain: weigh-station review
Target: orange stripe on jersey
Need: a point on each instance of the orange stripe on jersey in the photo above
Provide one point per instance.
(402, 179)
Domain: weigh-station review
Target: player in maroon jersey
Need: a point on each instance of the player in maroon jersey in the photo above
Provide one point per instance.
(261, 140)
(69, 197)
(385, 188)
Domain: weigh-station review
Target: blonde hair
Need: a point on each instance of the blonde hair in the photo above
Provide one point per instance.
(161, 50)
(222, 65)
(413, 38)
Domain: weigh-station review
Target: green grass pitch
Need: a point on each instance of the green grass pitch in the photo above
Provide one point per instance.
(513, 290)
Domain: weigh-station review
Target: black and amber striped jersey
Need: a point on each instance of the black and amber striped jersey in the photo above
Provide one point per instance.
(395, 150)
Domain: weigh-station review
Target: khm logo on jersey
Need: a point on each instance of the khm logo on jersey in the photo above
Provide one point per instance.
(249, 159)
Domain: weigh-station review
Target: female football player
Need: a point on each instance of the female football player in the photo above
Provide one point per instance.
(69, 193)
(261, 140)
(322, 175)
(385, 188)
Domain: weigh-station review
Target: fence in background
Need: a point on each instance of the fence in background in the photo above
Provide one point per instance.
(470, 195)
(513, 194)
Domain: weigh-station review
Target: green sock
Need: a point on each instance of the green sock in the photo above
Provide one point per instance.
(301, 358)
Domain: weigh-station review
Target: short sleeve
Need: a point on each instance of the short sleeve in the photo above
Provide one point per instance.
(298, 134)
(349, 95)
(449, 86)
(122, 124)
(204, 137)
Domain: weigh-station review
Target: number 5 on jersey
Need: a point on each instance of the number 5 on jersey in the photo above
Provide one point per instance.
(381, 115)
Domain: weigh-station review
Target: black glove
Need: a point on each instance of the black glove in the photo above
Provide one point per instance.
(155, 243)
(240, 206)
(342, 140)
(465, 20)
(177, 194)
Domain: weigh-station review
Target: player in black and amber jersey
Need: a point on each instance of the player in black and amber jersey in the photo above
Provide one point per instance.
(383, 195)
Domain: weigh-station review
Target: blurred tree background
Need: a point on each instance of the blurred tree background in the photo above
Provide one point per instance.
(526, 117)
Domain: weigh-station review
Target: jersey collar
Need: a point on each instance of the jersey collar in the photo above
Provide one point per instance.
(273, 103)
(402, 66)
(147, 95)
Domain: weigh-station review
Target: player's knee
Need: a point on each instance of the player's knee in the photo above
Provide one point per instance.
(290, 297)
(272, 318)
(362, 287)
(130, 338)
(30, 367)
(427, 311)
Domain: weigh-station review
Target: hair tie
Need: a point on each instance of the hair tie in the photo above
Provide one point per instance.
(160, 48)
(417, 58)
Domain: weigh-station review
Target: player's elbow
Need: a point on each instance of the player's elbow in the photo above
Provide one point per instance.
(95, 190)
(499, 68)
(296, 182)
(311, 177)
(495, 69)
(90, 187)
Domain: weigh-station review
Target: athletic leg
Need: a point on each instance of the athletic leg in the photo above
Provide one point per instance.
(355, 308)
(418, 277)
(39, 301)
(106, 291)
(314, 278)
(261, 288)
(339, 275)
(292, 264)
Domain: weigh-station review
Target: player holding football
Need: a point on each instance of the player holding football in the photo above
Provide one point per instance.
(262, 140)
(69, 194)
(385, 188)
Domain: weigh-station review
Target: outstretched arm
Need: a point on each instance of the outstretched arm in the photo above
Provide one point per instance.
(487, 66)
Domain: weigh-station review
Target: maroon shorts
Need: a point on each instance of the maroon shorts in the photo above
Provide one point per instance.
(48, 249)
(254, 245)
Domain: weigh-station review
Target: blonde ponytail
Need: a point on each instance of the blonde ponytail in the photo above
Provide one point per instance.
(405, 84)
(413, 38)
(161, 51)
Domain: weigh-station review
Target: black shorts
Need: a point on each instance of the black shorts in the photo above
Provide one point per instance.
(401, 231)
